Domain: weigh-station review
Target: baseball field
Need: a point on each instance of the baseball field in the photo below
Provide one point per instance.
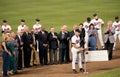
(57, 13)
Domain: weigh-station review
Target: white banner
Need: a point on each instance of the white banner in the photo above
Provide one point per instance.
(98, 55)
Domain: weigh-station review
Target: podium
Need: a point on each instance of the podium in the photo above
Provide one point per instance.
(97, 55)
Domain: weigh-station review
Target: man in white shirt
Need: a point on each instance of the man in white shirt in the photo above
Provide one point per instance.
(98, 23)
(37, 26)
(22, 26)
(5, 27)
(116, 25)
(76, 51)
(86, 27)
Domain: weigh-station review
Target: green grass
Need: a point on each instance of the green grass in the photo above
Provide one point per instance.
(111, 73)
(56, 12)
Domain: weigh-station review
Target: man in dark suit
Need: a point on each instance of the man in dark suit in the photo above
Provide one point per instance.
(63, 45)
(27, 43)
(68, 43)
(73, 31)
(53, 45)
(82, 35)
(19, 40)
(43, 46)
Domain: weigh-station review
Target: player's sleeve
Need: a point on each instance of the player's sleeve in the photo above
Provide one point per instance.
(101, 21)
(113, 25)
(33, 26)
(2, 28)
(92, 21)
(9, 27)
(73, 40)
(84, 24)
(19, 28)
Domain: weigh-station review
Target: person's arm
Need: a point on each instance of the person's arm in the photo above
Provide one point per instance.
(5, 48)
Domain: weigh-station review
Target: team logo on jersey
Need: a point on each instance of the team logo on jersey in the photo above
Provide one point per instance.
(77, 41)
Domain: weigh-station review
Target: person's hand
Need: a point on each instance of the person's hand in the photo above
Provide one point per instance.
(31, 46)
(55, 36)
(45, 45)
(9, 53)
(14, 54)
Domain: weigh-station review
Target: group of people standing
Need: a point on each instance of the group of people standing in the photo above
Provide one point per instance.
(21, 49)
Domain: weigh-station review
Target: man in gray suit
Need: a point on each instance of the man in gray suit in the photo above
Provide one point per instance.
(15, 45)
(109, 38)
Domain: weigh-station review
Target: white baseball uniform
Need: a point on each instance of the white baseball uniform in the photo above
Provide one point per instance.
(7, 27)
(37, 27)
(75, 54)
(86, 27)
(21, 28)
(116, 25)
(98, 25)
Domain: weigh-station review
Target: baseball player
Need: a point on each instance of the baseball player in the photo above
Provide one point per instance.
(5, 27)
(98, 23)
(86, 27)
(22, 26)
(116, 25)
(37, 26)
(76, 51)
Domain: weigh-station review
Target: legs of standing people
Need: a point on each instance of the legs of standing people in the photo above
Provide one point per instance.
(61, 55)
(115, 36)
(110, 50)
(31, 60)
(27, 55)
(45, 56)
(16, 57)
(5, 63)
(55, 56)
(74, 58)
(51, 56)
(19, 59)
(100, 37)
(41, 54)
(67, 52)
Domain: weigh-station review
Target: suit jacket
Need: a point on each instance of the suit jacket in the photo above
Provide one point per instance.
(109, 35)
(63, 41)
(82, 34)
(14, 43)
(19, 41)
(82, 37)
(53, 42)
(27, 39)
(43, 38)
(72, 33)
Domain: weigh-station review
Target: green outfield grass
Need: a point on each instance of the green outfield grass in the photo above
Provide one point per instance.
(56, 12)
(111, 73)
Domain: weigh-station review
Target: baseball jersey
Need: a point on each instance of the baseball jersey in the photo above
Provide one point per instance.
(21, 28)
(7, 27)
(86, 26)
(37, 27)
(98, 23)
(116, 25)
(76, 40)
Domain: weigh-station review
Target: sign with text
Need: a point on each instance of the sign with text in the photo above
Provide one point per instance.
(98, 55)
